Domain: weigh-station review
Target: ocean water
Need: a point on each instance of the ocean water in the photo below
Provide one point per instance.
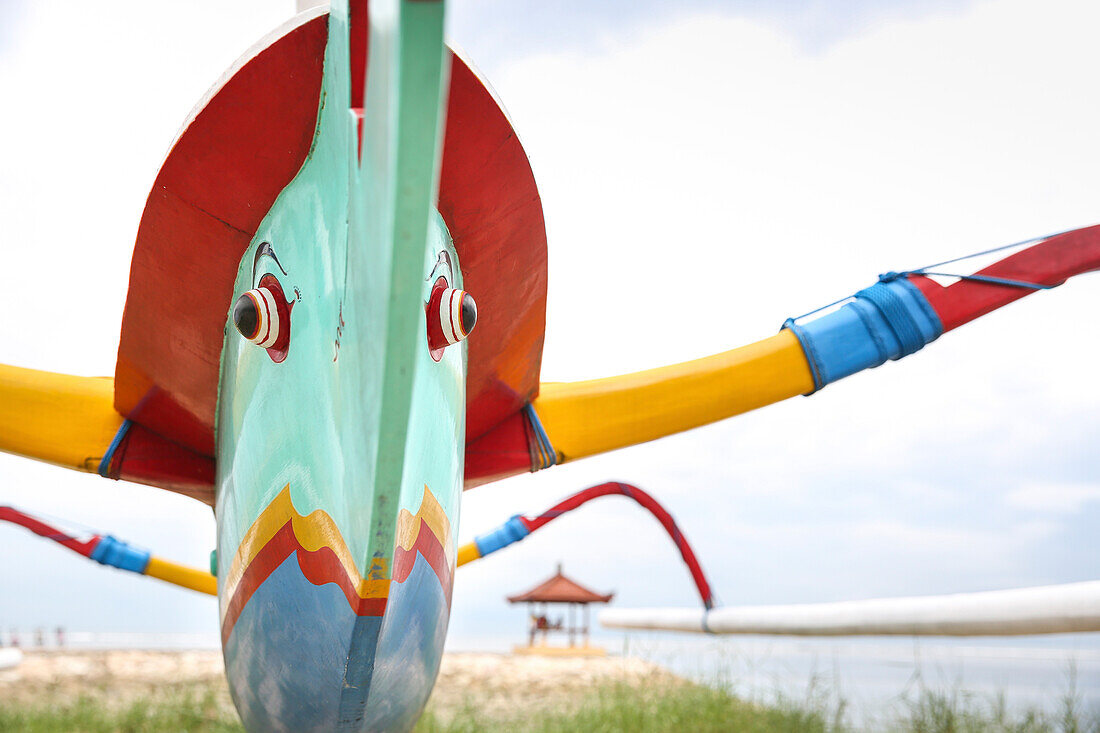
(872, 681)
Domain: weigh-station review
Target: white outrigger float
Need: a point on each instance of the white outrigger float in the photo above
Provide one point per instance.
(1050, 609)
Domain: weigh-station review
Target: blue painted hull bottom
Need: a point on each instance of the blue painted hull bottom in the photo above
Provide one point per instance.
(302, 638)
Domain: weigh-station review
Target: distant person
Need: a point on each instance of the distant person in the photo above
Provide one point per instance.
(60, 631)
(15, 638)
(39, 637)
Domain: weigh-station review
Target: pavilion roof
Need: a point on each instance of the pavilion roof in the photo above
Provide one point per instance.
(560, 589)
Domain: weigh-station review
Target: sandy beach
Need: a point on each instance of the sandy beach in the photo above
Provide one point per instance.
(495, 685)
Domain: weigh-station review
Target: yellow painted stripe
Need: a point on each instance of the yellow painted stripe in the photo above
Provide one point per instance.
(317, 530)
(314, 531)
(182, 575)
(434, 516)
(58, 418)
(599, 415)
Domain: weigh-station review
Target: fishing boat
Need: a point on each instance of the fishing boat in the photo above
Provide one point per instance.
(334, 326)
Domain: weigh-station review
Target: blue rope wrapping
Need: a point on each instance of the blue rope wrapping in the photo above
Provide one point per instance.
(511, 531)
(105, 462)
(897, 316)
(527, 410)
(1024, 243)
(547, 455)
(927, 270)
(540, 440)
(812, 357)
(120, 554)
(889, 320)
(890, 276)
(833, 354)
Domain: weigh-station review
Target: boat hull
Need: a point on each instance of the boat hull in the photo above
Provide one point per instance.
(340, 453)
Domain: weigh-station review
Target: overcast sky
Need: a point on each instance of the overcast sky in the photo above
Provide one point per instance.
(724, 165)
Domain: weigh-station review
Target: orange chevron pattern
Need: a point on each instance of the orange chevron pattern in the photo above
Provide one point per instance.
(324, 556)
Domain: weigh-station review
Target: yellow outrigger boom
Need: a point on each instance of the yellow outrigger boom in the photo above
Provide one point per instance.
(58, 418)
(599, 415)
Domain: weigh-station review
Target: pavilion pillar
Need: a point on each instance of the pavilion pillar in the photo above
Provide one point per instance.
(531, 624)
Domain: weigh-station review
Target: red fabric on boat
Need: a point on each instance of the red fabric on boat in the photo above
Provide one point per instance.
(144, 457)
(40, 528)
(504, 451)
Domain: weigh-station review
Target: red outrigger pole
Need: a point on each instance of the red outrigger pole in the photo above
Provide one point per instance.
(116, 553)
(84, 547)
(1046, 264)
(518, 527)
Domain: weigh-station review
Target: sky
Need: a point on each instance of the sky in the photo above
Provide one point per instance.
(716, 166)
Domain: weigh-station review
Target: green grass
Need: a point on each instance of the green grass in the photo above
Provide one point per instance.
(608, 708)
(620, 707)
(692, 708)
(193, 710)
(952, 712)
(957, 711)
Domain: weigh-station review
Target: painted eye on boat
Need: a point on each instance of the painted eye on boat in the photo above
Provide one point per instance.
(256, 316)
(262, 316)
(452, 314)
